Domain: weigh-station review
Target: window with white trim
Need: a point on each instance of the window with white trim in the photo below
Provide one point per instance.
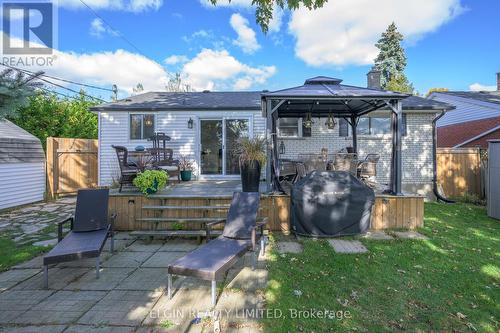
(142, 126)
(376, 125)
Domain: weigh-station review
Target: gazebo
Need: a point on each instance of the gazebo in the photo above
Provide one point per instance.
(323, 96)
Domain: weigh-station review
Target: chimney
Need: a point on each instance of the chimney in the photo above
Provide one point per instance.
(374, 76)
(498, 81)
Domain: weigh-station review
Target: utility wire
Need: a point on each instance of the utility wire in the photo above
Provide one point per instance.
(55, 84)
(112, 28)
(60, 79)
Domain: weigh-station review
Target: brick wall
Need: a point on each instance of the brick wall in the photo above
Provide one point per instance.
(417, 147)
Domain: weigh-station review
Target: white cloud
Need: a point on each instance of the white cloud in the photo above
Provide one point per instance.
(98, 29)
(218, 70)
(227, 3)
(344, 32)
(481, 87)
(123, 68)
(176, 59)
(246, 36)
(277, 20)
(135, 6)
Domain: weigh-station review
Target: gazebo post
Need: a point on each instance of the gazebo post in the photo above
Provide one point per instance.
(396, 164)
(354, 125)
(270, 145)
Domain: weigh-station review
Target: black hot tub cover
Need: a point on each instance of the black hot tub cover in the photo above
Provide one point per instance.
(326, 204)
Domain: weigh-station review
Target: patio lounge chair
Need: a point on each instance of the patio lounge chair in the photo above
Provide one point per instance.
(211, 261)
(89, 231)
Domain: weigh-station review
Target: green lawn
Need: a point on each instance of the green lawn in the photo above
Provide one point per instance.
(447, 283)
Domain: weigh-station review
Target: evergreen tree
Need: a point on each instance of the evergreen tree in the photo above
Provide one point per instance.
(391, 60)
(15, 88)
(401, 84)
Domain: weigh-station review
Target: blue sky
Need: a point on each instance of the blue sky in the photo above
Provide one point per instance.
(451, 43)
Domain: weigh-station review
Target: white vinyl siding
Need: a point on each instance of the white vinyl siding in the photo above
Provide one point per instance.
(184, 141)
(21, 183)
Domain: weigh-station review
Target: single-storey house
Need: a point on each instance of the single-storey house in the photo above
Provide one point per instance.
(474, 121)
(205, 126)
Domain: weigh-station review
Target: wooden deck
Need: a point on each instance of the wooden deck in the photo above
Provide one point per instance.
(186, 206)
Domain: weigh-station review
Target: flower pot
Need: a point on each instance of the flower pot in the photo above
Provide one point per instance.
(186, 175)
(250, 176)
(153, 188)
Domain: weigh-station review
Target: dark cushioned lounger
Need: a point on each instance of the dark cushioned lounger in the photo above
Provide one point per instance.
(88, 234)
(211, 261)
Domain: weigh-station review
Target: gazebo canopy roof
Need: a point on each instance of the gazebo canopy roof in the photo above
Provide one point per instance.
(323, 95)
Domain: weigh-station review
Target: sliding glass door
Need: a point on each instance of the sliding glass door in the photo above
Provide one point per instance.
(218, 145)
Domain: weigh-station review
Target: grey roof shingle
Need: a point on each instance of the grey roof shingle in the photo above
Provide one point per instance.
(483, 96)
(251, 100)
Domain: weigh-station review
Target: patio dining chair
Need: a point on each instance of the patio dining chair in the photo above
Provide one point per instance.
(346, 162)
(128, 169)
(163, 156)
(367, 170)
(89, 230)
(241, 234)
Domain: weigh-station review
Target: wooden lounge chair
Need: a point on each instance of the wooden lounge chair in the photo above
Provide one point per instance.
(212, 260)
(89, 231)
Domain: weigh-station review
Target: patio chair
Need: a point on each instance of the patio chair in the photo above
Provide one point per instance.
(212, 260)
(89, 230)
(367, 170)
(346, 162)
(128, 169)
(164, 161)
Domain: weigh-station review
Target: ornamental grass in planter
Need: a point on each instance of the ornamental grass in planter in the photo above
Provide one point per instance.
(252, 152)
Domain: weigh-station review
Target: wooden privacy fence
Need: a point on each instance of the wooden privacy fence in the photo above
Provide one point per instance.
(459, 171)
(71, 165)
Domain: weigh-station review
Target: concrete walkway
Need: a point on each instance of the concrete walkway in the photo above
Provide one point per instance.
(130, 295)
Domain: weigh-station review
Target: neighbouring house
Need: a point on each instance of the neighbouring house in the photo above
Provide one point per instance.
(22, 166)
(474, 121)
(205, 126)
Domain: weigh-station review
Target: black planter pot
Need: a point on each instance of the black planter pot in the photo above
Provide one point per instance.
(186, 175)
(250, 176)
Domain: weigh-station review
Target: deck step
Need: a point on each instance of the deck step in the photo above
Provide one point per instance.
(179, 219)
(175, 233)
(221, 207)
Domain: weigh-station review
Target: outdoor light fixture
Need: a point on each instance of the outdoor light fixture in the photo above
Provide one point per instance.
(308, 122)
(190, 123)
(282, 147)
(330, 122)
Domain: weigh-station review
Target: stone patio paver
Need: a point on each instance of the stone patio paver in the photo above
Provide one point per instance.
(88, 262)
(15, 302)
(127, 259)
(162, 259)
(410, 235)
(182, 246)
(109, 278)
(145, 279)
(184, 306)
(58, 279)
(33, 329)
(120, 244)
(94, 329)
(377, 235)
(289, 247)
(141, 246)
(36, 262)
(63, 307)
(10, 278)
(247, 279)
(121, 307)
(347, 246)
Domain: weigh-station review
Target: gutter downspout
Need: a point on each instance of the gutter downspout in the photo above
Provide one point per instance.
(434, 161)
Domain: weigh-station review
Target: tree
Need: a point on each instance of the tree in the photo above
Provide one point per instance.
(264, 8)
(401, 84)
(175, 84)
(391, 60)
(436, 90)
(138, 89)
(46, 115)
(15, 88)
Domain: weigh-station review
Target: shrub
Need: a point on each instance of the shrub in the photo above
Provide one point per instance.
(151, 181)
